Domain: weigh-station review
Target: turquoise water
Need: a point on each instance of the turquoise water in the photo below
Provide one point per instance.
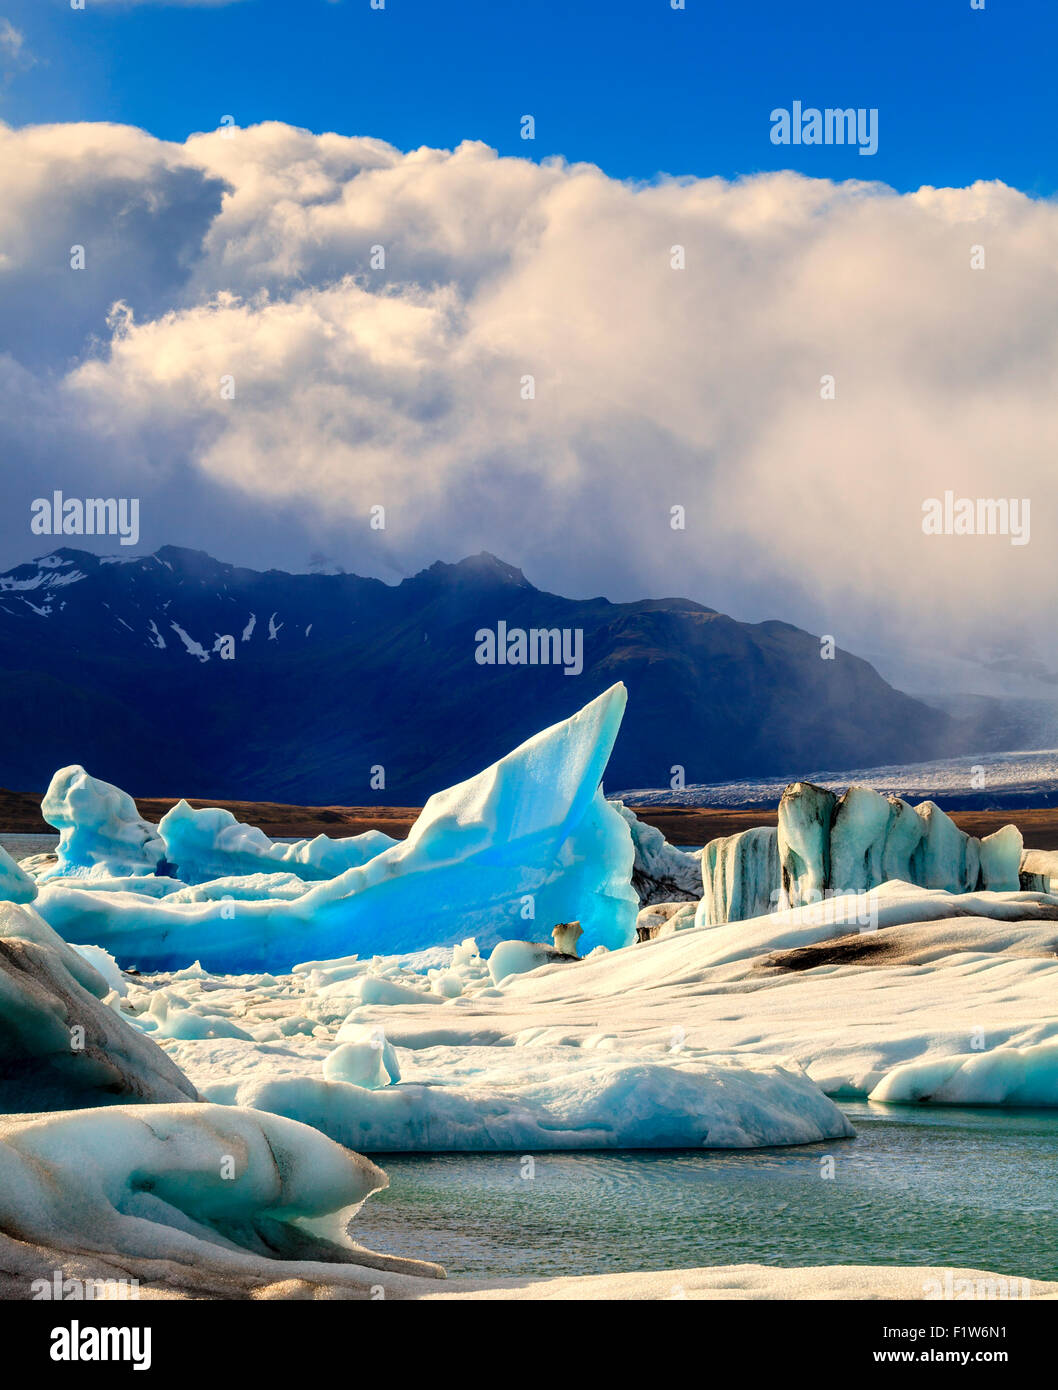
(974, 1188)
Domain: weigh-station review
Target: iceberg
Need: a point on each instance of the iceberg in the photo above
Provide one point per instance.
(806, 813)
(946, 857)
(529, 840)
(905, 830)
(530, 1100)
(210, 844)
(827, 845)
(857, 840)
(740, 877)
(100, 830)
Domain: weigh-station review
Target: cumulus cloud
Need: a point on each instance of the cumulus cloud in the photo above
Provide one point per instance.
(254, 255)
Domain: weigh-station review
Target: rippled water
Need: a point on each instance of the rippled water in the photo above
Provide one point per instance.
(964, 1187)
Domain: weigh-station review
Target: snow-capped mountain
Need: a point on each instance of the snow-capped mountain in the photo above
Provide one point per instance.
(176, 673)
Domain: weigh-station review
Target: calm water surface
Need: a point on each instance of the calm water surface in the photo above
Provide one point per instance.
(974, 1188)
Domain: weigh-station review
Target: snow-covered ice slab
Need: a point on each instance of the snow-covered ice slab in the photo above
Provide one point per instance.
(525, 844)
(531, 1099)
(211, 844)
(1026, 1076)
(100, 830)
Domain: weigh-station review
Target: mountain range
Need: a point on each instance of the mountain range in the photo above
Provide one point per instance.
(177, 674)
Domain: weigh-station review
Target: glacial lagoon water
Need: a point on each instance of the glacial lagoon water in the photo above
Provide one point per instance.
(973, 1188)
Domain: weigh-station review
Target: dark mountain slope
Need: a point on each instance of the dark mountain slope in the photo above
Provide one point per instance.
(116, 664)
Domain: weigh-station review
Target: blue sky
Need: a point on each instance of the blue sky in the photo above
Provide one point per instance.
(630, 85)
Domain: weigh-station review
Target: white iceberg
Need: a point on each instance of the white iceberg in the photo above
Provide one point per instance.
(740, 877)
(526, 1100)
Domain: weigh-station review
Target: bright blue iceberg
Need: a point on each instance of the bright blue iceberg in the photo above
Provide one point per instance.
(526, 844)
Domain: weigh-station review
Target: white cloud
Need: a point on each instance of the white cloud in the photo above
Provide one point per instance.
(654, 387)
(12, 40)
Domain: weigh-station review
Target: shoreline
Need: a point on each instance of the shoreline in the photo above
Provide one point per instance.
(681, 825)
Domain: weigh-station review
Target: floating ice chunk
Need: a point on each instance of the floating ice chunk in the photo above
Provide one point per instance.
(100, 830)
(375, 989)
(531, 839)
(1001, 859)
(363, 1057)
(191, 1025)
(664, 919)
(805, 816)
(519, 957)
(660, 871)
(1002, 1076)
(1039, 870)
(526, 1099)
(210, 844)
(565, 935)
(465, 952)
(946, 857)
(903, 835)
(740, 877)
(857, 840)
(16, 886)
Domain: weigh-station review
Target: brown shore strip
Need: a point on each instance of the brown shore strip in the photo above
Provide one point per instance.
(681, 825)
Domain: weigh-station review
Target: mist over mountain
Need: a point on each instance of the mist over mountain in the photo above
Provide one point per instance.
(175, 673)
